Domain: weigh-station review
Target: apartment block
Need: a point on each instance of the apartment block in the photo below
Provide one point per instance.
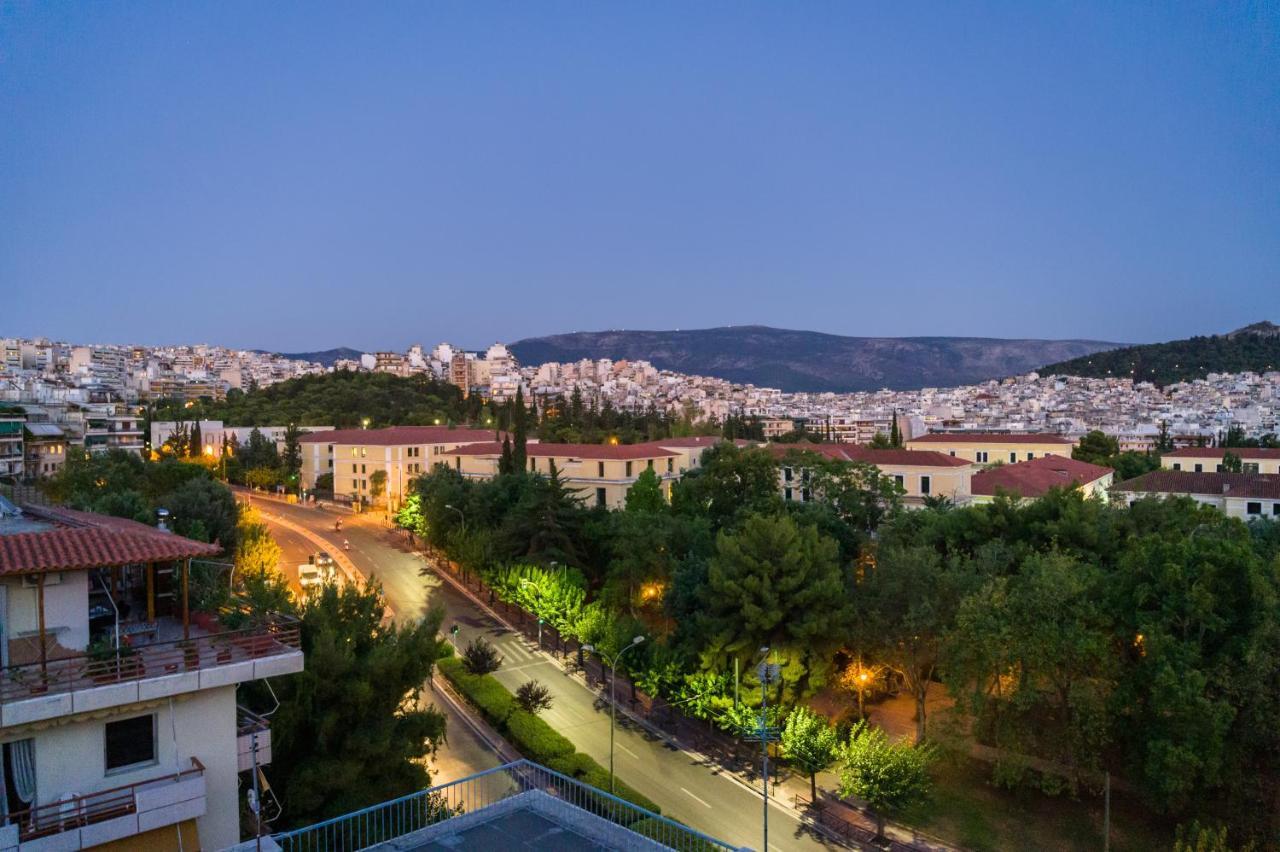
(403, 452)
(600, 473)
(118, 712)
(992, 447)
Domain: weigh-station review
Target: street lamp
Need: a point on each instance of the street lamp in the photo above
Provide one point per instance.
(364, 423)
(613, 694)
(767, 673)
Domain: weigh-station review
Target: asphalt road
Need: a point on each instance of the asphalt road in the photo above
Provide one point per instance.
(685, 788)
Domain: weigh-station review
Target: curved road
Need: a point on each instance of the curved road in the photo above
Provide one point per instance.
(684, 786)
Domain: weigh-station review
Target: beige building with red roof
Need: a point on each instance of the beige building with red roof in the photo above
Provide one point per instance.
(1247, 496)
(1028, 480)
(992, 447)
(601, 473)
(403, 452)
(118, 712)
(919, 473)
(1209, 459)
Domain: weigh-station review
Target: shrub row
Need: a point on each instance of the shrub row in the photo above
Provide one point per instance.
(531, 736)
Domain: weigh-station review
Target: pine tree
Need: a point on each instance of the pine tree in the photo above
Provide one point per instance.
(197, 441)
(506, 464)
(519, 449)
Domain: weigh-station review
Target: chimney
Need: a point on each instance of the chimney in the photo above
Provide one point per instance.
(162, 519)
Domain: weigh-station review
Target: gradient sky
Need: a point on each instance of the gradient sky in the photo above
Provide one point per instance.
(304, 175)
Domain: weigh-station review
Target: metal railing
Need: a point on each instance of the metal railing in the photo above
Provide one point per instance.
(77, 811)
(277, 635)
(398, 817)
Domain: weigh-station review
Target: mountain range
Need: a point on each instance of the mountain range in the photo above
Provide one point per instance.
(812, 361)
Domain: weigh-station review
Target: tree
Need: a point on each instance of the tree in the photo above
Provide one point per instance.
(291, 461)
(506, 462)
(480, 657)
(879, 441)
(519, 433)
(645, 494)
(888, 776)
(906, 607)
(731, 482)
(377, 485)
(1164, 443)
(205, 509)
(196, 445)
(1095, 447)
(1232, 463)
(774, 583)
(533, 697)
(895, 434)
(810, 743)
(350, 730)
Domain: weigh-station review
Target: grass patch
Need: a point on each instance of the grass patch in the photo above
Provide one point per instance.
(967, 809)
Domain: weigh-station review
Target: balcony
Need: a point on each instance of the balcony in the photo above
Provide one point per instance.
(250, 727)
(78, 822)
(143, 671)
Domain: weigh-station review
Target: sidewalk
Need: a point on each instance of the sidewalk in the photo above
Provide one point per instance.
(790, 792)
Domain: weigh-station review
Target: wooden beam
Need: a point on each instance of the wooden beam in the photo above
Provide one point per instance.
(186, 610)
(44, 650)
(150, 568)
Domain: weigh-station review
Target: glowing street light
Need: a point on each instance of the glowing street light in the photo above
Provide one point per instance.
(613, 694)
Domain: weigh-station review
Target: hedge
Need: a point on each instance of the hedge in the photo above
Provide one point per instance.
(531, 736)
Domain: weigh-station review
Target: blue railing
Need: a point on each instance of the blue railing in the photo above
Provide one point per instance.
(389, 820)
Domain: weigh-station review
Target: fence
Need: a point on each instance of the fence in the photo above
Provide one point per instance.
(398, 817)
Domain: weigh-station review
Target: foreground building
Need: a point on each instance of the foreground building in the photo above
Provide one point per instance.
(1209, 459)
(1029, 480)
(118, 712)
(403, 453)
(992, 447)
(1238, 495)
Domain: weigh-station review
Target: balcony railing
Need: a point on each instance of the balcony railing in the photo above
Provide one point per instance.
(278, 634)
(74, 812)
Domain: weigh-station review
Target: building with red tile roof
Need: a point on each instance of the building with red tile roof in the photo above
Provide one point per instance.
(1209, 459)
(1032, 479)
(991, 447)
(1238, 495)
(919, 473)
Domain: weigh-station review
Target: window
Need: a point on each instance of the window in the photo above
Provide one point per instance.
(1199, 468)
(1253, 509)
(650, 464)
(600, 469)
(362, 469)
(600, 498)
(628, 468)
(786, 495)
(899, 480)
(925, 484)
(786, 474)
(457, 463)
(354, 467)
(671, 465)
(1218, 468)
(951, 453)
(981, 456)
(1249, 467)
(330, 464)
(131, 743)
(1275, 509)
(1030, 456)
(1177, 466)
(1013, 458)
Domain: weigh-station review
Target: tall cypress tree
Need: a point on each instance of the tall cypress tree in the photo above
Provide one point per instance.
(895, 434)
(197, 441)
(506, 464)
(519, 450)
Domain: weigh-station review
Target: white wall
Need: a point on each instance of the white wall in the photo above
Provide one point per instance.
(66, 609)
(71, 758)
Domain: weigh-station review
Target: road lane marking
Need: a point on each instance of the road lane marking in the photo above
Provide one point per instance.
(701, 801)
(628, 751)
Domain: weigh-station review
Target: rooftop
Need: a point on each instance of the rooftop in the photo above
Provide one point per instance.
(399, 435)
(990, 438)
(576, 451)
(43, 538)
(859, 453)
(1036, 477)
(1243, 485)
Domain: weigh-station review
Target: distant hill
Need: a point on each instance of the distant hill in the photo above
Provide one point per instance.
(810, 361)
(325, 357)
(1253, 348)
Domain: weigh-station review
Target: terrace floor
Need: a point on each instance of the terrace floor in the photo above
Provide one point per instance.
(520, 829)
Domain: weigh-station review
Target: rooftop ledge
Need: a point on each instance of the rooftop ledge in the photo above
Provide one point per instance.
(33, 692)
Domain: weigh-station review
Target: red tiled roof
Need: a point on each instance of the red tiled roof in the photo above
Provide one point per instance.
(399, 436)
(1264, 485)
(859, 453)
(698, 441)
(577, 451)
(82, 540)
(1034, 478)
(1244, 453)
(990, 438)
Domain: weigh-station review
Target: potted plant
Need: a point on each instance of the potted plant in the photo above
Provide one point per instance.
(108, 663)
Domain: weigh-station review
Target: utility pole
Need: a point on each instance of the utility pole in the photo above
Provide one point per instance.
(768, 672)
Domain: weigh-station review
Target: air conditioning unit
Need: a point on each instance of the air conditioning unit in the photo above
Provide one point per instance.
(30, 581)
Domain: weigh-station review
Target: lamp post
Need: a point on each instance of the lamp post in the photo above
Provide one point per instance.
(613, 696)
(767, 672)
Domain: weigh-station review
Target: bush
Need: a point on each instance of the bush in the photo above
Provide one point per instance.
(535, 739)
(481, 658)
(488, 696)
(533, 697)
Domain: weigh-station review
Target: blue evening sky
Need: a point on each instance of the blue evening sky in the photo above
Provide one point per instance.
(305, 175)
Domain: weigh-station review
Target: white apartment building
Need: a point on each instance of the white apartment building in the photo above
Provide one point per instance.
(119, 728)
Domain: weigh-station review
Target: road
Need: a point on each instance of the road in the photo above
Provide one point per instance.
(680, 783)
